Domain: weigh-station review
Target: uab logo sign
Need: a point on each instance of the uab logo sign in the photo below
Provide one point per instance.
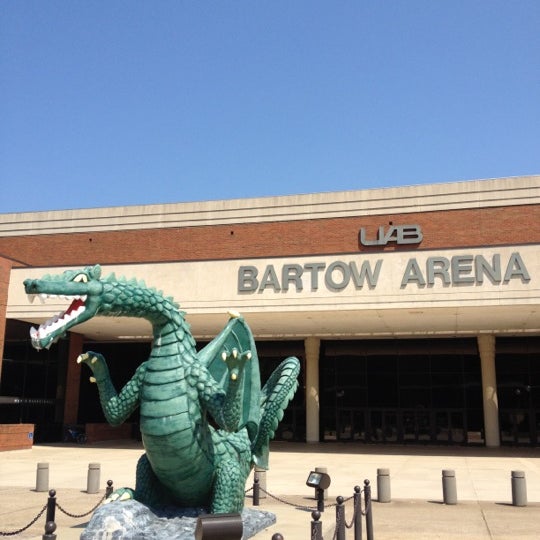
(400, 234)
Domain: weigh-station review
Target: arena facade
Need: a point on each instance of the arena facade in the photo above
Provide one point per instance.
(414, 310)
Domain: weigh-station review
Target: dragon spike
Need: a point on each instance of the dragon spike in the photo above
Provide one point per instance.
(224, 356)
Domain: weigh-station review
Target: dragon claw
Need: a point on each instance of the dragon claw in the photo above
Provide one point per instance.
(82, 357)
(122, 494)
(235, 361)
(96, 363)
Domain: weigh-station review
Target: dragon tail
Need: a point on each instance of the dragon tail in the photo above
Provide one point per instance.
(275, 396)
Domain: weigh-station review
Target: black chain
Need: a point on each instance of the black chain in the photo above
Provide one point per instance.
(79, 515)
(76, 516)
(347, 526)
(308, 508)
(367, 509)
(13, 533)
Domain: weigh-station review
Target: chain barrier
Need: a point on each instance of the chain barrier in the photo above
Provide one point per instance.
(76, 516)
(22, 529)
(341, 521)
(341, 515)
(301, 507)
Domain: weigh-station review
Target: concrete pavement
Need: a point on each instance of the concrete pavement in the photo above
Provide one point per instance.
(483, 481)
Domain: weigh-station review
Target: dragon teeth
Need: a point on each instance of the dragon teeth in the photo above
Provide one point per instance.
(45, 296)
(58, 321)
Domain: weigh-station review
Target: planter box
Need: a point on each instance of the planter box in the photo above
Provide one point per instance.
(16, 436)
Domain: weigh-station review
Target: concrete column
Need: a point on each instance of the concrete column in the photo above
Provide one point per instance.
(486, 348)
(312, 346)
(5, 271)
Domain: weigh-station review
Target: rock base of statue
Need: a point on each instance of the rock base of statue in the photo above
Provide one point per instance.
(131, 520)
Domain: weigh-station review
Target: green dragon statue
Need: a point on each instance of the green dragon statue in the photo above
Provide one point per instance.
(204, 419)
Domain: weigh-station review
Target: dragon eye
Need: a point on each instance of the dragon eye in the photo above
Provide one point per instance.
(81, 278)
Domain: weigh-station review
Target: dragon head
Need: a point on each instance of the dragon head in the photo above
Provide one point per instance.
(82, 287)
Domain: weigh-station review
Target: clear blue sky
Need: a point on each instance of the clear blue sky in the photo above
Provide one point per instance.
(122, 102)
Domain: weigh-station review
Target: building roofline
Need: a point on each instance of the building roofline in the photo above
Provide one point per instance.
(508, 191)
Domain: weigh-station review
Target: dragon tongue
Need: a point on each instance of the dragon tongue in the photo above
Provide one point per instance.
(75, 305)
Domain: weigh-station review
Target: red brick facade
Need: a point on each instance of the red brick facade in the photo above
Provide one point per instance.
(442, 230)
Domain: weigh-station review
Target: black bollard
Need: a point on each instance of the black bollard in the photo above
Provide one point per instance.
(316, 526)
(109, 489)
(340, 519)
(256, 491)
(277, 536)
(369, 513)
(50, 525)
(357, 498)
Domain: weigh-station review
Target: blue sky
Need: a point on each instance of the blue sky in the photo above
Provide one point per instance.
(128, 102)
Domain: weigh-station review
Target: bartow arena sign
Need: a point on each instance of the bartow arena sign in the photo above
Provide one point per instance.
(337, 275)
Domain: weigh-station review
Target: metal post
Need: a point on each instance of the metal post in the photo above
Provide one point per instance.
(357, 498)
(92, 482)
(277, 536)
(519, 488)
(42, 477)
(383, 486)
(369, 510)
(449, 486)
(320, 499)
(316, 526)
(109, 489)
(325, 491)
(50, 525)
(340, 519)
(256, 491)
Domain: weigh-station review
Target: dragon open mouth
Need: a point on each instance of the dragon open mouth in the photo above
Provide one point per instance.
(50, 331)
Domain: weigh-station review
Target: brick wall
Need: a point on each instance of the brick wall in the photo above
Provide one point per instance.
(16, 436)
(73, 379)
(442, 230)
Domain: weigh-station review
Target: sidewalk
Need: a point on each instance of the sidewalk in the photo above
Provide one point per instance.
(484, 509)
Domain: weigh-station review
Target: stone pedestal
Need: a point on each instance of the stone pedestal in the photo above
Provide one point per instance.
(131, 520)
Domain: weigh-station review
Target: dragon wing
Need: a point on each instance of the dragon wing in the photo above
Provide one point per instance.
(237, 334)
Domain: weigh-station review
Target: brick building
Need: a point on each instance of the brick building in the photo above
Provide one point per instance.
(414, 310)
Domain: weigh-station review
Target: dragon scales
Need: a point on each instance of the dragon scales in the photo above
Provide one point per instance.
(182, 393)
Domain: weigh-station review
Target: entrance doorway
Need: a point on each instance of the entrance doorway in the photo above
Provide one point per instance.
(518, 383)
(401, 391)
